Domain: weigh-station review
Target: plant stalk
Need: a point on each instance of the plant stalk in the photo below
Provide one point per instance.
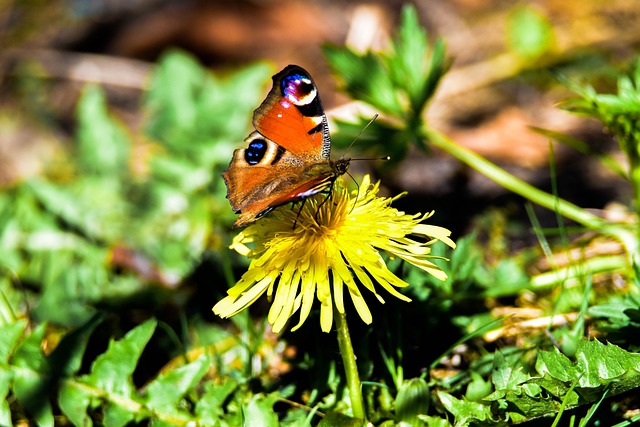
(522, 188)
(350, 367)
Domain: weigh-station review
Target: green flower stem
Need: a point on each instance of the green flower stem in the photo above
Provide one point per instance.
(513, 183)
(350, 367)
(529, 192)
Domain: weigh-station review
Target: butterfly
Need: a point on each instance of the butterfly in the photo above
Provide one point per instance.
(287, 158)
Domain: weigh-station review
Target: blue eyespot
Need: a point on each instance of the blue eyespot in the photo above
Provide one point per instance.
(256, 150)
(296, 87)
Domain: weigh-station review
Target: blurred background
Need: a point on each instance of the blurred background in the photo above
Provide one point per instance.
(51, 49)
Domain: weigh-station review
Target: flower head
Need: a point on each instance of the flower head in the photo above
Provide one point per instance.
(336, 243)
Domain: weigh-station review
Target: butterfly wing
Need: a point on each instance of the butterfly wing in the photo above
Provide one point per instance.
(288, 157)
(292, 115)
(279, 177)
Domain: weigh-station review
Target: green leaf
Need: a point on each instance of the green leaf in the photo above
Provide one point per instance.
(259, 411)
(336, 419)
(598, 368)
(412, 400)
(400, 81)
(111, 373)
(171, 100)
(74, 400)
(210, 406)
(112, 370)
(67, 356)
(410, 65)
(6, 378)
(103, 146)
(505, 375)
(365, 78)
(164, 393)
(9, 336)
(602, 364)
(191, 111)
(32, 383)
(619, 112)
(557, 365)
(120, 415)
(464, 411)
(529, 33)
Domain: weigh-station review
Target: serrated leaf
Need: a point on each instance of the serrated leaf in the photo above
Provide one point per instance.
(111, 373)
(32, 383)
(506, 376)
(364, 78)
(73, 398)
(165, 392)
(464, 411)
(409, 63)
(63, 202)
(209, 408)
(524, 407)
(74, 401)
(602, 363)
(598, 369)
(112, 370)
(120, 416)
(259, 411)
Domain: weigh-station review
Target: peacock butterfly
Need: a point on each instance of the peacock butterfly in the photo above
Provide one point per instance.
(288, 155)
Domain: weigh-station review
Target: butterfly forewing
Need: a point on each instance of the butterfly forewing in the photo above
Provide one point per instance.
(292, 115)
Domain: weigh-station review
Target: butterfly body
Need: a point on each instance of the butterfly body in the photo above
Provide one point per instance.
(287, 157)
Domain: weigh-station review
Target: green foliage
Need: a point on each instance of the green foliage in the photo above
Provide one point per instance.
(109, 232)
(620, 320)
(619, 114)
(399, 82)
(107, 391)
(556, 382)
(103, 146)
(412, 401)
(469, 276)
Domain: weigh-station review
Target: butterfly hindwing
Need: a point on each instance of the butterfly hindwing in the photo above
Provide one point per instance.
(264, 176)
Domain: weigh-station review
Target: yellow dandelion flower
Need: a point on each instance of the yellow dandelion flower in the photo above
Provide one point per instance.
(336, 243)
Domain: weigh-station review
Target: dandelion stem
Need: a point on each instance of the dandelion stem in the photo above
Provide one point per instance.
(350, 367)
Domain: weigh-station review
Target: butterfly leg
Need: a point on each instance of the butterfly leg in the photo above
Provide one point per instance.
(327, 196)
(299, 212)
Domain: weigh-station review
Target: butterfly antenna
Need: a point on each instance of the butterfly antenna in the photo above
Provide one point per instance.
(360, 133)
